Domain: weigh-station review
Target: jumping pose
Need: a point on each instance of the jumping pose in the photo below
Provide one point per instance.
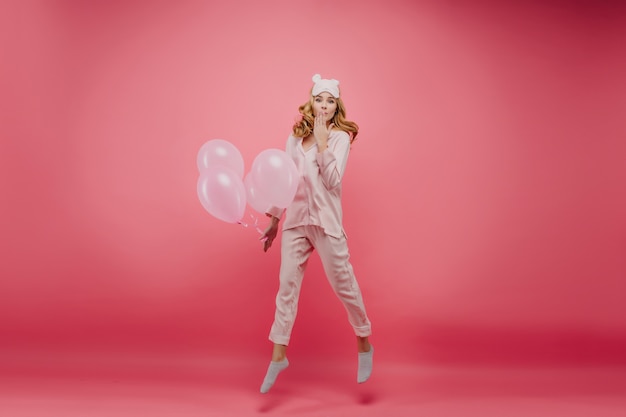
(319, 145)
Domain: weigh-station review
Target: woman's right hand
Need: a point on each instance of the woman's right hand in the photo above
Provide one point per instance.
(269, 234)
(321, 132)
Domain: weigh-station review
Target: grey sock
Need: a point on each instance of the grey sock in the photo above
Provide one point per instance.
(365, 365)
(272, 373)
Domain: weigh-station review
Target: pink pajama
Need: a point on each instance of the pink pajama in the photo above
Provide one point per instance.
(314, 221)
(297, 245)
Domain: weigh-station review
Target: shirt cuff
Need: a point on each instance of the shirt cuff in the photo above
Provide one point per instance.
(275, 211)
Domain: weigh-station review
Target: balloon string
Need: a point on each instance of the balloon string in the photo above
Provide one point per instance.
(255, 224)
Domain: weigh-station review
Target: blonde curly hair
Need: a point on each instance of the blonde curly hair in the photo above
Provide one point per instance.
(304, 126)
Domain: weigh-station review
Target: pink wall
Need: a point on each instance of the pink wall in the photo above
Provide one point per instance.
(484, 200)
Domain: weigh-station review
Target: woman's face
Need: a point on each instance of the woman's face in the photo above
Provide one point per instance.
(325, 104)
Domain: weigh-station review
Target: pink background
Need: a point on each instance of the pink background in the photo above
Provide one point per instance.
(484, 199)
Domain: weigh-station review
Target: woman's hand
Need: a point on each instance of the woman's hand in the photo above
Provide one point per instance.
(269, 234)
(321, 132)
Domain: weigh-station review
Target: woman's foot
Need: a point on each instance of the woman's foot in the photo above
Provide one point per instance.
(272, 373)
(366, 356)
(278, 364)
(365, 365)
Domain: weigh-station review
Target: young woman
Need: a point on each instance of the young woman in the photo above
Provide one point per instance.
(319, 145)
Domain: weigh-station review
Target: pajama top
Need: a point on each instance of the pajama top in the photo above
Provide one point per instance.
(318, 198)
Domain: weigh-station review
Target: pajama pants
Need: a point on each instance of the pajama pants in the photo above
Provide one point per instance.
(296, 247)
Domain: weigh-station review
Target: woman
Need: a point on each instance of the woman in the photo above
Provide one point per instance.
(319, 145)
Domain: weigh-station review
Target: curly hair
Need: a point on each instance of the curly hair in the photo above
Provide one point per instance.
(304, 126)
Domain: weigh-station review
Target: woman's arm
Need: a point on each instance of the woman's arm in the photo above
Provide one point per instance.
(269, 234)
(332, 161)
(275, 213)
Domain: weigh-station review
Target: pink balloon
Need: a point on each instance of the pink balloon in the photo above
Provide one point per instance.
(275, 177)
(222, 194)
(254, 197)
(220, 152)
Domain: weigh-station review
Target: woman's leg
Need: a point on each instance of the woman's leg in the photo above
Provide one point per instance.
(295, 252)
(336, 260)
(363, 344)
(279, 353)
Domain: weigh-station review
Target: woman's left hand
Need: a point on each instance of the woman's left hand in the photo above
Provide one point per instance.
(321, 132)
(269, 234)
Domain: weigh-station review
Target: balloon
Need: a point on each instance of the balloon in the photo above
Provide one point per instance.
(275, 176)
(254, 197)
(220, 152)
(222, 194)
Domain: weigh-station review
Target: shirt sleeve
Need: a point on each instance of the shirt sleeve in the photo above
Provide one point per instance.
(332, 161)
